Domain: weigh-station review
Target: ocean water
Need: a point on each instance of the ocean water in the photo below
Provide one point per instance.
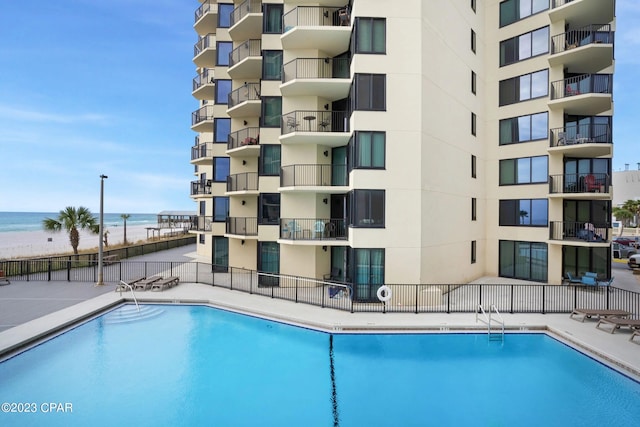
(32, 221)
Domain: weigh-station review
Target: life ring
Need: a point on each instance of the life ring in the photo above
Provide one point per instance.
(384, 293)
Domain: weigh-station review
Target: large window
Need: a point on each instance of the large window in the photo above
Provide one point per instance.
(224, 14)
(220, 169)
(525, 170)
(271, 111)
(369, 150)
(220, 255)
(223, 88)
(272, 65)
(523, 260)
(222, 51)
(272, 17)
(370, 35)
(524, 128)
(524, 212)
(524, 46)
(269, 161)
(222, 127)
(367, 208)
(367, 271)
(268, 262)
(525, 87)
(220, 209)
(269, 208)
(369, 92)
(577, 260)
(514, 10)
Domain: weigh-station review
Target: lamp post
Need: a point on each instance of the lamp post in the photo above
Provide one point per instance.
(100, 277)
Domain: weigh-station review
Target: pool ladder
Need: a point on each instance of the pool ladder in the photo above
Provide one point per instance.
(494, 315)
(123, 286)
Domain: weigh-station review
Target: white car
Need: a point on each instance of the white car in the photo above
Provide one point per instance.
(634, 261)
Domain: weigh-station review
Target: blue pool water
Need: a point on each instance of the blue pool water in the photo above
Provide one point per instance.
(194, 365)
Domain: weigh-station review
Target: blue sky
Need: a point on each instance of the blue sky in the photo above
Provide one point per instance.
(104, 87)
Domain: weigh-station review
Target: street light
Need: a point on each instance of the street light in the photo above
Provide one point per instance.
(100, 282)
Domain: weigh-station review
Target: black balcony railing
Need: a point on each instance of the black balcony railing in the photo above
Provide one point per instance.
(579, 183)
(313, 175)
(248, 92)
(316, 68)
(200, 187)
(313, 229)
(245, 8)
(315, 16)
(246, 136)
(202, 223)
(599, 133)
(242, 226)
(246, 181)
(201, 151)
(202, 114)
(589, 34)
(205, 8)
(206, 77)
(593, 232)
(245, 50)
(558, 3)
(583, 84)
(315, 121)
(204, 43)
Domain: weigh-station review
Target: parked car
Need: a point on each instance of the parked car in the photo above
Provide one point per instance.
(634, 261)
(627, 241)
(622, 251)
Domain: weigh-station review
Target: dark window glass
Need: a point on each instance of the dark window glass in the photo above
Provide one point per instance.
(369, 92)
(524, 212)
(269, 160)
(473, 82)
(223, 88)
(473, 252)
(224, 14)
(269, 208)
(474, 207)
(222, 129)
(368, 208)
(272, 17)
(473, 5)
(220, 169)
(515, 10)
(272, 65)
(523, 88)
(473, 41)
(524, 128)
(271, 111)
(222, 51)
(220, 253)
(370, 35)
(201, 238)
(523, 260)
(473, 124)
(220, 209)
(369, 151)
(473, 166)
(525, 170)
(524, 46)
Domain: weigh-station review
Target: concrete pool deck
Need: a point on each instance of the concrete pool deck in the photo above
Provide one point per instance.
(32, 310)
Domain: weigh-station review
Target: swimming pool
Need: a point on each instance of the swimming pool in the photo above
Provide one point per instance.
(196, 365)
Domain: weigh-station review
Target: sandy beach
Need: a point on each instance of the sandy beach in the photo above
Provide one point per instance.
(35, 243)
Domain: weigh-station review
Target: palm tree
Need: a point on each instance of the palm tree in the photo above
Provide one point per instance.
(71, 219)
(624, 215)
(125, 217)
(633, 206)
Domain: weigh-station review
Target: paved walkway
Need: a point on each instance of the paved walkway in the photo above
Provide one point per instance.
(36, 309)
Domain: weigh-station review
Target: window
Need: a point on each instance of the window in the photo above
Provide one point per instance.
(474, 206)
(524, 46)
(272, 18)
(473, 252)
(473, 124)
(524, 128)
(525, 87)
(579, 259)
(514, 10)
(224, 14)
(269, 262)
(220, 253)
(368, 208)
(473, 41)
(370, 35)
(269, 161)
(367, 269)
(269, 208)
(272, 64)
(223, 88)
(220, 169)
(222, 127)
(201, 238)
(473, 166)
(525, 170)
(473, 5)
(271, 111)
(473, 82)
(368, 92)
(524, 212)
(223, 51)
(369, 150)
(523, 260)
(220, 209)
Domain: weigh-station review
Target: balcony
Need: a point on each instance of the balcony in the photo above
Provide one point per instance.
(327, 29)
(202, 119)
(325, 77)
(242, 183)
(581, 185)
(314, 178)
(201, 187)
(202, 153)
(580, 233)
(328, 128)
(206, 17)
(204, 85)
(204, 51)
(246, 21)
(244, 143)
(582, 12)
(587, 94)
(202, 223)
(245, 61)
(314, 230)
(242, 227)
(245, 101)
(588, 49)
(584, 140)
